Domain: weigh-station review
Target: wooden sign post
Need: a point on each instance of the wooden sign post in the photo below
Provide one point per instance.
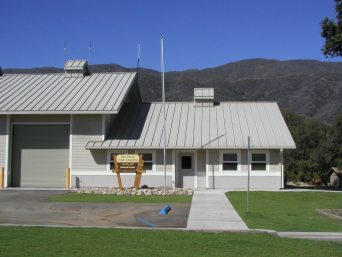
(129, 163)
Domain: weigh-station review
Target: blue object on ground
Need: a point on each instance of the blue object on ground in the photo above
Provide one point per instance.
(165, 210)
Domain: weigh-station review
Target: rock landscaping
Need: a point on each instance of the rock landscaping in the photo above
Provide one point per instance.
(133, 191)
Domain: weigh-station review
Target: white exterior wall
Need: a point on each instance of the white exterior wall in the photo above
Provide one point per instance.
(160, 160)
(40, 118)
(109, 121)
(201, 169)
(2, 140)
(87, 128)
(270, 179)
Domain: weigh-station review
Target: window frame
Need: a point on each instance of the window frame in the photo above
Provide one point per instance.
(109, 152)
(238, 153)
(267, 153)
(153, 152)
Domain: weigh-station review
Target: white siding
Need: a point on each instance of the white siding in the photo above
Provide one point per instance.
(160, 160)
(274, 160)
(40, 118)
(2, 140)
(110, 118)
(87, 128)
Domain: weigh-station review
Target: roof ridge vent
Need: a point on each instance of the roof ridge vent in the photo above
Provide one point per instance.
(204, 97)
(76, 68)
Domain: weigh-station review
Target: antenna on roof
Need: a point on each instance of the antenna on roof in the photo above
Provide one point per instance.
(65, 52)
(89, 51)
(138, 58)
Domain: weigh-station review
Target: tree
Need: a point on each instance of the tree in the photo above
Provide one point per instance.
(312, 158)
(332, 32)
(335, 142)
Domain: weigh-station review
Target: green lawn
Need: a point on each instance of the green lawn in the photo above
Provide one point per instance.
(37, 241)
(76, 197)
(288, 211)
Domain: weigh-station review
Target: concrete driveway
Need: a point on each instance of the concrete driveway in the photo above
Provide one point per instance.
(26, 207)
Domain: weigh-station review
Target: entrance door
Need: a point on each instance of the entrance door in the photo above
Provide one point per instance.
(186, 170)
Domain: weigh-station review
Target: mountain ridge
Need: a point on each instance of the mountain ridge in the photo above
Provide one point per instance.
(309, 87)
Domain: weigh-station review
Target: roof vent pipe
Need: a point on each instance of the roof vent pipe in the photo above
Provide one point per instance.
(203, 97)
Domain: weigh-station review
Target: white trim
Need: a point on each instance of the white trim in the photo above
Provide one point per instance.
(103, 126)
(154, 165)
(109, 172)
(267, 152)
(238, 152)
(245, 174)
(108, 157)
(195, 164)
(207, 168)
(70, 146)
(7, 150)
(40, 123)
(195, 169)
(61, 112)
(184, 148)
(281, 153)
(174, 166)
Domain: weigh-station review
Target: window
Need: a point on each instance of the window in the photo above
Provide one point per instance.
(259, 161)
(186, 163)
(149, 159)
(230, 160)
(111, 162)
(148, 162)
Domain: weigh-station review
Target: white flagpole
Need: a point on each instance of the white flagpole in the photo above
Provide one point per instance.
(163, 84)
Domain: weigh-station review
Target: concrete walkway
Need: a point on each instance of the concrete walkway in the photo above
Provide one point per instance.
(211, 210)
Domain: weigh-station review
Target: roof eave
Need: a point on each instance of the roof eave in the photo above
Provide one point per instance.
(58, 112)
(183, 148)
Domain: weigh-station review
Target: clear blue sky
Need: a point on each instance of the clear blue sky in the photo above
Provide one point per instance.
(197, 34)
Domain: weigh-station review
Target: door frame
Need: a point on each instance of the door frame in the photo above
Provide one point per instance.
(178, 165)
(25, 123)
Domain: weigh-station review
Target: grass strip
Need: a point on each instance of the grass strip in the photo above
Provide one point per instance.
(76, 197)
(37, 241)
(288, 211)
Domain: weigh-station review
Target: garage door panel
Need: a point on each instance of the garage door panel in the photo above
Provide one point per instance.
(40, 155)
(43, 168)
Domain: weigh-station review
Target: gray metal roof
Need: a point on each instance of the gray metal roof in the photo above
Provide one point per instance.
(224, 126)
(58, 94)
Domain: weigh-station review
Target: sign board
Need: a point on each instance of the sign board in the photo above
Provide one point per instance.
(127, 162)
(132, 163)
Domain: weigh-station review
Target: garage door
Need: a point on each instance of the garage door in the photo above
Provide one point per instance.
(40, 155)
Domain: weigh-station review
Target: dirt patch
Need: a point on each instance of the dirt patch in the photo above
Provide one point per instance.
(337, 212)
(333, 213)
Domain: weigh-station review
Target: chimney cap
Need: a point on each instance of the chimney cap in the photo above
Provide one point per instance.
(76, 68)
(204, 93)
(75, 65)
